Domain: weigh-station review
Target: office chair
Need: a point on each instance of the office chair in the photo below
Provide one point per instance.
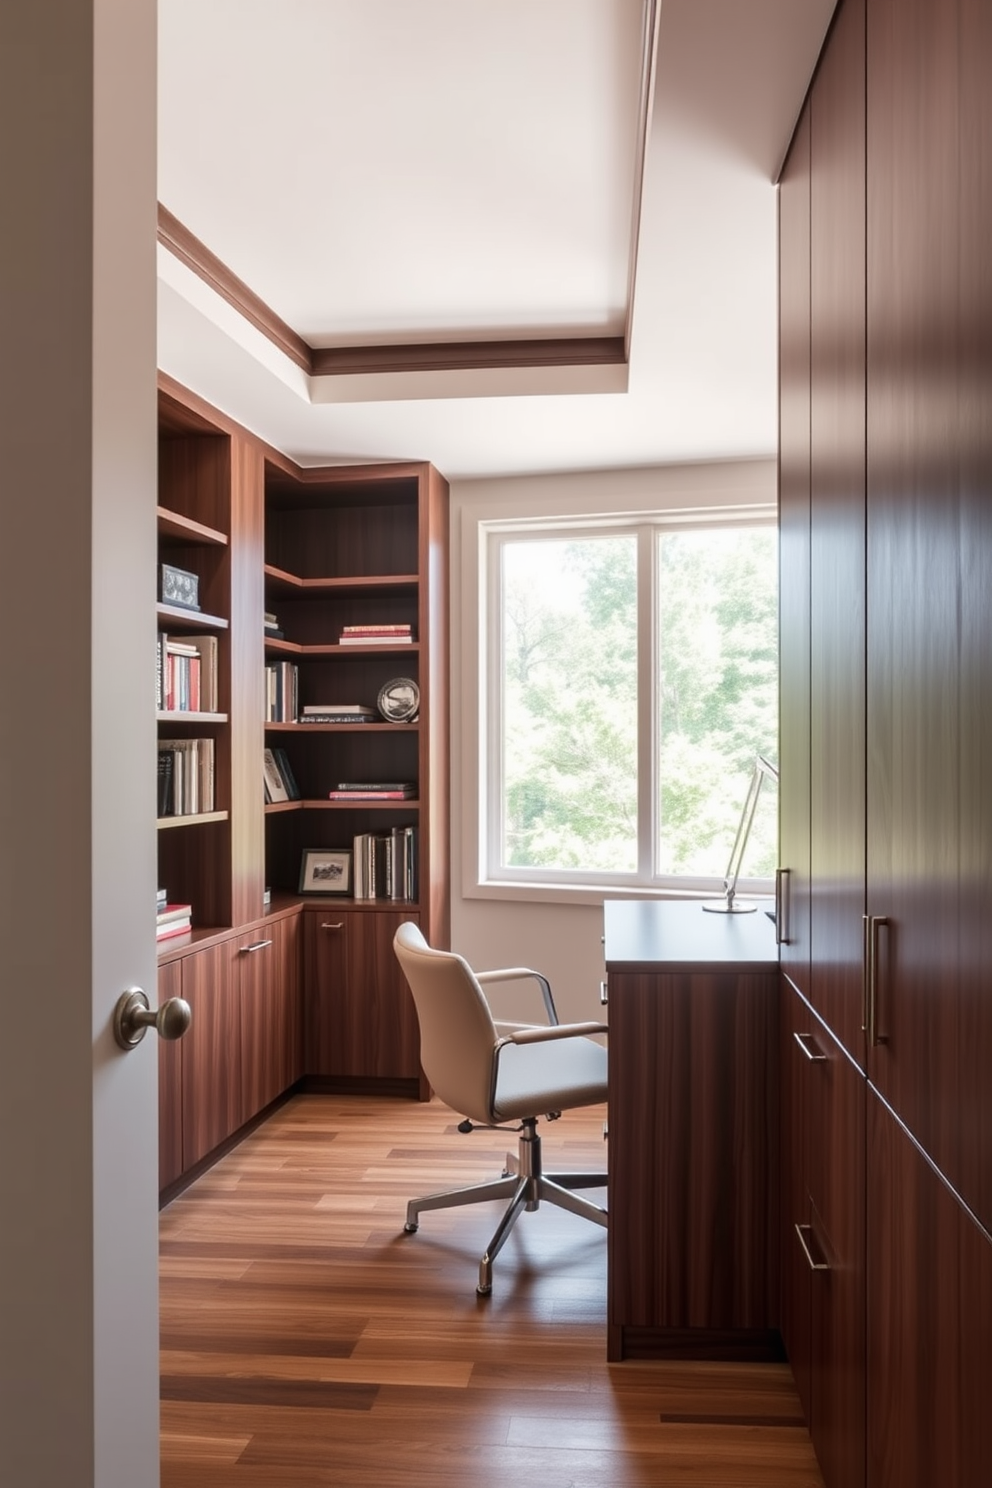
(498, 1073)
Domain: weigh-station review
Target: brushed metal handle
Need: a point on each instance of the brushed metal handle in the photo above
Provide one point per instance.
(133, 1017)
(327, 926)
(874, 1037)
(258, 945)
(802, 1231)
(813, 1054)
(783, 886)
(604, 993)
(865, 958)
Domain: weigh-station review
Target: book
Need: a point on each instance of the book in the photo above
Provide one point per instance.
(286, 771)
(172, 912)
(336, 718)
(193, 775)
(370, 795)
(377, 638)
(275, 786)
(377, 785)
(181, 927)
(165, 766)
(310, 709)
(378, 629)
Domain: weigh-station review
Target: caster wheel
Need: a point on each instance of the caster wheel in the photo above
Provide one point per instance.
(410, 1229)
(483, 1291)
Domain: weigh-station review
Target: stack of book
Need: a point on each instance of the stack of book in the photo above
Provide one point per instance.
(281, 692)
(337, 713)
(186, 674)
(272, 630)
(280, 782)
(373, 790)
(385, 864)
(173, 919)
(375, 635)
(185, 776)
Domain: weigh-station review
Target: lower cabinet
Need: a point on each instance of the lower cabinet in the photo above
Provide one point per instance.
(823, 1237)
(267, 971)
(360, 1024)
(929, 1322)
(211, 1075)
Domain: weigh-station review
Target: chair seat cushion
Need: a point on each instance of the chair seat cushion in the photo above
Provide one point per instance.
(532, 1079)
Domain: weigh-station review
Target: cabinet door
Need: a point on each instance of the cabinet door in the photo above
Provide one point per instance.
(170, 1077)
(837, 527)
(360, 1018)
(268, 1014)
(796, 1302)
(212, 1107)
(929, 1322)
(836, 1184)
(930, 575)
(794, 562)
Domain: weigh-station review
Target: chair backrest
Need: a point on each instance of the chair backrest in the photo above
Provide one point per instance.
(457, 1034)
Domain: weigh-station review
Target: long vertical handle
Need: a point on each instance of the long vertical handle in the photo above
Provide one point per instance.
(783, 884)
(875, 924)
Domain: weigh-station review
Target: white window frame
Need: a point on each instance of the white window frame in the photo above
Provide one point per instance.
(737, 493)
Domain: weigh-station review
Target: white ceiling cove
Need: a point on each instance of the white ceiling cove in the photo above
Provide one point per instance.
(399, 172)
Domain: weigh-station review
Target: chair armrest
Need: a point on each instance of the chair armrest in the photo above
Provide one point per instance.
(540, 1035)
(519, 973)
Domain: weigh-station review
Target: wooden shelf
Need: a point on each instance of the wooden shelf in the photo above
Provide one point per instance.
(364, 805)
(173, 715)
(342, 728)
(195, 618)
(191, 821)
(273, 808)
(278, 581)
(290, 648)
(183, 529)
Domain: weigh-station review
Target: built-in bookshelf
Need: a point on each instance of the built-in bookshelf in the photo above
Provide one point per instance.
(346, 556)
(193, 658)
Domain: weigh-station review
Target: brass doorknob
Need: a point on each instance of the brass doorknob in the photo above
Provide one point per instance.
(133, 1016)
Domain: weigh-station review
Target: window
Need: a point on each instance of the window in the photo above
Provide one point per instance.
(632, 682)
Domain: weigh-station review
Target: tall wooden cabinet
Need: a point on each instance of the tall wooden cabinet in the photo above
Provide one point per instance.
(887, 1016)
(273, 1000)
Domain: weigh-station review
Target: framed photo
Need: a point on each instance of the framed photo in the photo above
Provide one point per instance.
(399, 700)
(325, 870)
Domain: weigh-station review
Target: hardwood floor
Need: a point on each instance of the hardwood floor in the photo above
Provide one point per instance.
(307, 1342)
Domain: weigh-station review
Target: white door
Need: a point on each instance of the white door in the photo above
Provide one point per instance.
(78, 1144)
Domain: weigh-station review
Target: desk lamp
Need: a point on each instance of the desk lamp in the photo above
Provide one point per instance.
(729, 904)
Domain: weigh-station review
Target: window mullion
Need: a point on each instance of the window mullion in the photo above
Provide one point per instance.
(647, 671)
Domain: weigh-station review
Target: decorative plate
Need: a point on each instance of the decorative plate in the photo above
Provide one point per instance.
(399, 700)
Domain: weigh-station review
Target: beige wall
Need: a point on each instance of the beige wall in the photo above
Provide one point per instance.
(561, 932)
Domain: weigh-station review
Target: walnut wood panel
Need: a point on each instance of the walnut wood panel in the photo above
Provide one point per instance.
(973, 1137)
(340, 535)
(247, 683)
(929, 1320)
(837, 523)
(170, 1075)
(194, 864)
(694, 1215)
(836, 1184)
(435, 770)
(194, 476)
(359, 1016)
(268, 985)
(306, 1341)
(794, 554)
(212, 1096)
(796, 1298)
(923, 104)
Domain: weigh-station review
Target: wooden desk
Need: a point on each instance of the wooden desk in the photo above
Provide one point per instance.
(693, 1187)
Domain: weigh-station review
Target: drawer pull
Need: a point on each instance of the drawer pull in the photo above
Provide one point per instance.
(802, 1231)
(256, 945)
(328, 926)
(604, 993)
(813, 1054)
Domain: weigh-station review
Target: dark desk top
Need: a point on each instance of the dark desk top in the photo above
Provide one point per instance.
(679, 935)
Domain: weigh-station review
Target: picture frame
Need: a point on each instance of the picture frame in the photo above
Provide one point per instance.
(399, 700)
(325, 870)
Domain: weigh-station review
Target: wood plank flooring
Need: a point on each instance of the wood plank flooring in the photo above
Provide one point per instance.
(307, 1342)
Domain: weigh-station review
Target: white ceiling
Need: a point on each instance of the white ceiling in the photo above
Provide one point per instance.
(397, 171)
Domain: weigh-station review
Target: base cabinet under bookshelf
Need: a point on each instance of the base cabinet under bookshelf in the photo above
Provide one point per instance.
(360, 1024)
